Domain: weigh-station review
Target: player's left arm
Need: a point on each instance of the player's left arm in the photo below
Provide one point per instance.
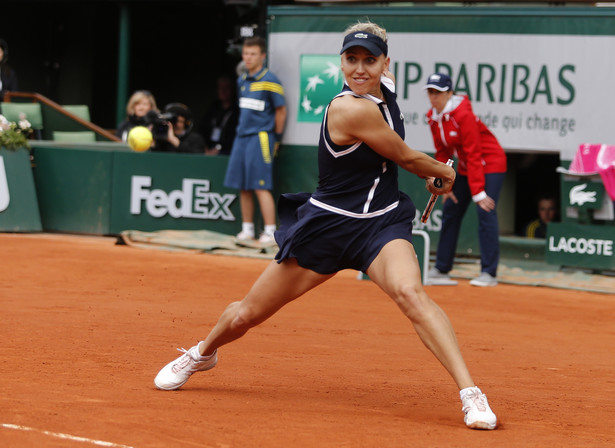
(356, 119)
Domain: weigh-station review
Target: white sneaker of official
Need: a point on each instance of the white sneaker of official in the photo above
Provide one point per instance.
(437, 278)
(484, 279)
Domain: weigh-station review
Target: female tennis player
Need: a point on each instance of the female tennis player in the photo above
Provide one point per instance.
(356, 219)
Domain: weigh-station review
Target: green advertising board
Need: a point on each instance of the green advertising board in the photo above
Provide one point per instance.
(18, 202)
(156, 191)
(588, 246)
(74, 188)
(106, 191)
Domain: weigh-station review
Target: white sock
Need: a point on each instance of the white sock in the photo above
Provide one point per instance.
(248, 227)
(464, 392)
(270, 229)
(198, 349)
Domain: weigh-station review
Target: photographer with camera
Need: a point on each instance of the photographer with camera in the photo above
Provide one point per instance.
(140, 107)
(172, 130)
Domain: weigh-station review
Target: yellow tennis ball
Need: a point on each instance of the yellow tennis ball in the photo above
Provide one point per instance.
(140, 138)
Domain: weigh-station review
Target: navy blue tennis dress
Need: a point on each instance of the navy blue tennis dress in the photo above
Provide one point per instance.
(356, 209)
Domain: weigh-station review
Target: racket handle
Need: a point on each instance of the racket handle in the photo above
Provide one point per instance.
(434, 197)
(429, 208)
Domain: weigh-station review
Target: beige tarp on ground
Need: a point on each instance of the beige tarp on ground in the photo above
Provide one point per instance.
(510, 271)
(540, 274)
(195, 241)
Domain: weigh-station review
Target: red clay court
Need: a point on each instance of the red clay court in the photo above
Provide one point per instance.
(87, 324)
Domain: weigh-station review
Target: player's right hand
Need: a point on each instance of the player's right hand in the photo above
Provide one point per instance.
(446, 185)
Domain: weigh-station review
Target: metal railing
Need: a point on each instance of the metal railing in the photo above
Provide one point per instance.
(37, 97)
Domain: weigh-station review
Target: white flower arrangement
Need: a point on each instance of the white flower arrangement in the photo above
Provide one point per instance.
(15, 135)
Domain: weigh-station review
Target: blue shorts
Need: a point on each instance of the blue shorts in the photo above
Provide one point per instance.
(327, 242)
(250, 166)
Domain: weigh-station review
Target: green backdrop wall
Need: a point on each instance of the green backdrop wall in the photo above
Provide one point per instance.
(106, 188)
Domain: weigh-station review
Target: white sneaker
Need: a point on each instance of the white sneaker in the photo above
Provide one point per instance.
(435, 277)
(267, 239)
(175, 374)
(478, 414)
(245, 236)
(484, 279)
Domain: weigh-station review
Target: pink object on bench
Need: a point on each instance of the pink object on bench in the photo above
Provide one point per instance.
(592, 159)
(605, 163)
(584, 162)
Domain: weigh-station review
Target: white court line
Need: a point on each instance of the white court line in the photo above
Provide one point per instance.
(60, 435)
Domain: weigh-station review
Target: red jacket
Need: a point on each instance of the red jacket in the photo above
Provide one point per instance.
(457, 131)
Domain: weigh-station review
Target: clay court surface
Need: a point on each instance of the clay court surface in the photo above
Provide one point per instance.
(87, 324)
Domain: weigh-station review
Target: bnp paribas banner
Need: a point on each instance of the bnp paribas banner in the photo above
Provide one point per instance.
(541, 79)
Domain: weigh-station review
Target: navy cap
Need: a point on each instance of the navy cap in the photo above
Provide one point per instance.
(439, 81)
(371, 42)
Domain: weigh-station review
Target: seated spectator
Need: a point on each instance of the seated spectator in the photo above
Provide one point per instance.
(8, 78)
(547, 212)
(173, 131)
(219, 122)
(140, 103)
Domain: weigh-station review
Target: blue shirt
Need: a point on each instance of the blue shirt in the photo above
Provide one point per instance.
(259, 96)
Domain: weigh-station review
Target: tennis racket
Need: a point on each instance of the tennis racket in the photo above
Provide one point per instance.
(434, 197)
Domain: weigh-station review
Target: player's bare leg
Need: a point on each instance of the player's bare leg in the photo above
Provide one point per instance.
(397, 272)
(278, 285)
(390, 271)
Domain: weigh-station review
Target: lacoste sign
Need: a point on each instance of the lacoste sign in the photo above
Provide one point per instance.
(574, 245)
(579, 196)
(585, 195)
(589, 246)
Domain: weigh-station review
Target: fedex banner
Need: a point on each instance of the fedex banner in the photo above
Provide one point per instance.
(535, 91)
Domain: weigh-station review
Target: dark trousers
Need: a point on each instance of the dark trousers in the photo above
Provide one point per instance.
(488, 228)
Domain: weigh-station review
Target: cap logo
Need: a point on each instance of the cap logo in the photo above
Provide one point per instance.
(434, 78)
(371, 42)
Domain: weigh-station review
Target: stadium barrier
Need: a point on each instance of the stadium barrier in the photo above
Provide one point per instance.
(105, 188)
(19, 210)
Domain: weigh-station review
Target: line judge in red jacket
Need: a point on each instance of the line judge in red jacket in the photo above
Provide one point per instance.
(456, 131)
